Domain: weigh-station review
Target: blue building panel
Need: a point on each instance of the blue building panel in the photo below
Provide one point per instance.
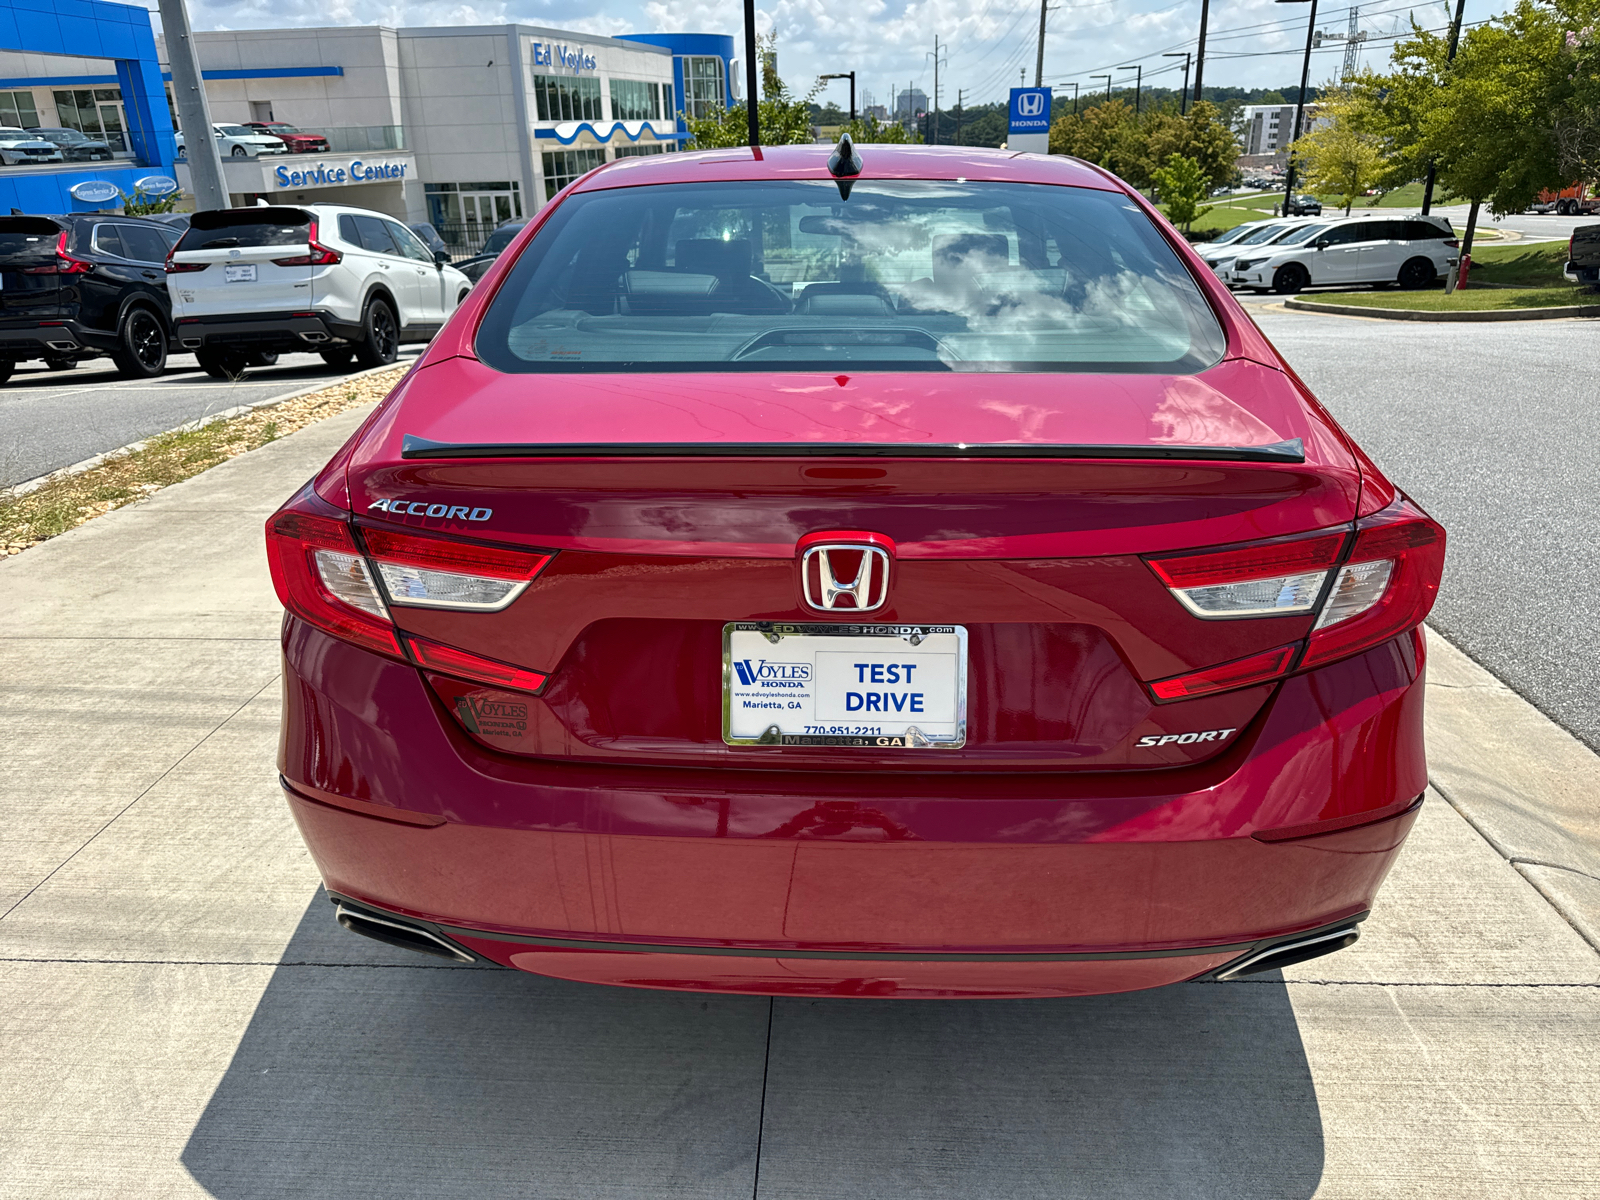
(91, 29)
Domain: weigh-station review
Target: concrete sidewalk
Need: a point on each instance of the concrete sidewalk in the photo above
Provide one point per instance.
(180, 1016)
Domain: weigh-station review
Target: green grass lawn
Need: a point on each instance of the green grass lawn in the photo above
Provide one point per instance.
(1520, 264)
(1471, 300)
(1409, 196)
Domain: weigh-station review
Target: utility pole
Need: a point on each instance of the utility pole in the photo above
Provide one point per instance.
(1455, 37)
(1038, 70)
(1183, 98)
(1305, 76)
(189, 91)
(1200, 53)
(933, 116)
(750, 73)
(959, 93)
(1138, 85)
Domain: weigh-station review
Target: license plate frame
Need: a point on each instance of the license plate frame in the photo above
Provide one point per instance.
(804, 725)
(239, 273)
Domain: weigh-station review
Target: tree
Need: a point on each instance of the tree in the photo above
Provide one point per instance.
(868, 129)
(1182, 184)
(1134, 146)
(784, 120)
(1341, 154)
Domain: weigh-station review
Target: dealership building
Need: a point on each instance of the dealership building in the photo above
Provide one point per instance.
(464, 127)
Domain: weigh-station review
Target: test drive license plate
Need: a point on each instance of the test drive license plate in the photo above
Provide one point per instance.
(889, 686)
(239, 273)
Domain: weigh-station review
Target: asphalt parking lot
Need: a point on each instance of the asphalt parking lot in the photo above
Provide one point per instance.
(52, 419)
(182, 1017)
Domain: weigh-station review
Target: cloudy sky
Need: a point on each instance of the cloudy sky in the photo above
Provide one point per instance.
(985, 44)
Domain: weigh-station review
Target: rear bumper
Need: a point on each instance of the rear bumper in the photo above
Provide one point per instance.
(33, 340)
(1585, 274)
(281, 332)
(686, 879)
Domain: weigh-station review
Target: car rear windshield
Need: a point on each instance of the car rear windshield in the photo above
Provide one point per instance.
(25, 240)
(229, 228)
(790, 275)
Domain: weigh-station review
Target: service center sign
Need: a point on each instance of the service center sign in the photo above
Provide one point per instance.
(356, 171)
(1029, 126)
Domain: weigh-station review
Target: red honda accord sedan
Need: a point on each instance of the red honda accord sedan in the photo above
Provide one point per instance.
(889, 572)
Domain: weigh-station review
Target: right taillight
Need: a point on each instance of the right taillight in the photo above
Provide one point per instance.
(1382, 586)
(1385, 587)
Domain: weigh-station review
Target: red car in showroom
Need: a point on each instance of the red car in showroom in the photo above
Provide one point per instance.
(888, 572)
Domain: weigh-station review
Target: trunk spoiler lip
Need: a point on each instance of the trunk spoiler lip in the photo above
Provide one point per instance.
(1290, 451)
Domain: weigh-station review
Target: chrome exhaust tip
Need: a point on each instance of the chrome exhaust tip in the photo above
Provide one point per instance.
(396, 933)
(1287, 953)
(314, 337)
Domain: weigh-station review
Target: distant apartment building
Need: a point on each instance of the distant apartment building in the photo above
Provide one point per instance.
(1269, 128)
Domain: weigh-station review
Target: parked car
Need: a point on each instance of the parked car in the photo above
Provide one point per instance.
(297, 140)
(1219, 253)
(937, 587)
(76, 287)
(75, 146)
(430, 237)
(1583, 256)
(177, 220)
(1302, 206)
(18, 146)
(1411, 251)
(346, 282)
(239, 141)
(474, 267)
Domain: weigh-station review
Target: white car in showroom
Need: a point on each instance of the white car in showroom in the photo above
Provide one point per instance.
(348, 283)
(1411, 251)
(18, 146)
(239, 141)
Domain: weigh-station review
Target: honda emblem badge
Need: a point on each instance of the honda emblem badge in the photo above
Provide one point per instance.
(841, 577)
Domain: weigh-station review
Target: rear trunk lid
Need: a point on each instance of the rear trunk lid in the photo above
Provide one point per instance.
(251, 260)
(30, 289)
(1017, 508)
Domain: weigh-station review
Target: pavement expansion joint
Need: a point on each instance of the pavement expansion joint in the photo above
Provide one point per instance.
(121, 812)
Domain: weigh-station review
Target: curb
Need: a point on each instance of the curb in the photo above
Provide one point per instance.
(1407, 314)
(226, 414)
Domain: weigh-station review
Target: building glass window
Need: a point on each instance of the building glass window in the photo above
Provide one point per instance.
(17, 110)
(95, 112)
(640, 150)
(561, 98)
(466, 213)
(561, 167)
(703, 85)
(636, 100)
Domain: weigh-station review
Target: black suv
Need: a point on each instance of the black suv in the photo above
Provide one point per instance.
(1303, 206)
(76, 287)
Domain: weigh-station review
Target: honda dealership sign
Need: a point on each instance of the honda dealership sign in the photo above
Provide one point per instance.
(1029, 127)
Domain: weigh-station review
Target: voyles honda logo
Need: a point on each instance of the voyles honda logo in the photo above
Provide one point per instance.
(841, 576)
(1030, 104)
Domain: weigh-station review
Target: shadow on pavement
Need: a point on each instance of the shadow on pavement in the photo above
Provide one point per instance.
(387, 1076)
(1195, 1090)
(368, 1071)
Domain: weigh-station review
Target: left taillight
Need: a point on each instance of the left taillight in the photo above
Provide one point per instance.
(320, 256)
(344, 581)
(1363, 590)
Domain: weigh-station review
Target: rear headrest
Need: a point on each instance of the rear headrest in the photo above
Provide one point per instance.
(961, 255)
(713, 256)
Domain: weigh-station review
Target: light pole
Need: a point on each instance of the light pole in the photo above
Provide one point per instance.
(750, 73)
(1455, 37)
(1183, 98)
(189, 93)
(1107, 78)
(1138, 85)
(1305, 75)
(1074, 98)
(851, 76)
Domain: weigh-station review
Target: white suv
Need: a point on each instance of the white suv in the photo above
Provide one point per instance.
(1412, 251)
(18, 146)
(347, 282)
